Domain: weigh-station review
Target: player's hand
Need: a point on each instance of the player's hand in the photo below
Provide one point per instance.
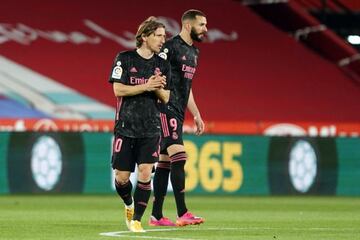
(200, 125)
(155, 82)
(162, 78)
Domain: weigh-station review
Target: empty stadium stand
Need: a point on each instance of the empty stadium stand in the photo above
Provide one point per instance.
(249, 70)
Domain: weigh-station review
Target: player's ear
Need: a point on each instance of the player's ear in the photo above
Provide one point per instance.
(188, 26)
(143, 37)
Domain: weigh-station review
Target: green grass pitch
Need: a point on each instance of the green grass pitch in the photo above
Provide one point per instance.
(85, 217)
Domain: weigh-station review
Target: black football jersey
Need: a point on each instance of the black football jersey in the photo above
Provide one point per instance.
(183, 60)
(137, 116)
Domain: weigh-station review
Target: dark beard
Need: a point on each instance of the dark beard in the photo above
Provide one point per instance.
(194, 36)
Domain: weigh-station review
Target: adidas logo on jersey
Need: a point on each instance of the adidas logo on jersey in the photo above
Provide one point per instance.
(133, 70)
(183, 58)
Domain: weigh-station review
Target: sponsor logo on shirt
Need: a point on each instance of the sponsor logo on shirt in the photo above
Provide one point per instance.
(188, 71)
(138, 80)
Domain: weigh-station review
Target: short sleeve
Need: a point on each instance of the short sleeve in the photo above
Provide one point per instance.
(119, 70)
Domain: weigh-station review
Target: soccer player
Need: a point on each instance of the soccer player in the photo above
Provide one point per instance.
(139, 81)
(183, 57)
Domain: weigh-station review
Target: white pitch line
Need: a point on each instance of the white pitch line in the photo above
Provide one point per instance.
(120, 234)
(149, 237)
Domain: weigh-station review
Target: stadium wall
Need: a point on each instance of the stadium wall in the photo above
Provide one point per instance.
(59, 162)
(248, 69)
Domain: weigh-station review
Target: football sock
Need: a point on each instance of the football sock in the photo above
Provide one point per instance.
(124, 191)
(141, 198)
(161, 180)
(177, 177)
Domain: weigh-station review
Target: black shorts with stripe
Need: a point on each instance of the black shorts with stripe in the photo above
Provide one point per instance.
(171, 131)
(127, 152)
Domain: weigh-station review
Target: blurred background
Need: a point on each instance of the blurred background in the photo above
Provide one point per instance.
(278, 84)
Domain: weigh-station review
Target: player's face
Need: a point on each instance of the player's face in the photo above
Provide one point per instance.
(198, 28)
(156, 40)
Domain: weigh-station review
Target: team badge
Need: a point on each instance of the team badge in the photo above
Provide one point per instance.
(117, 72)
(175, 136)
(163, 55)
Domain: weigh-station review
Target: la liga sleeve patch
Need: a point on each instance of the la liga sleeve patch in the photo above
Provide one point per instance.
(117, 72)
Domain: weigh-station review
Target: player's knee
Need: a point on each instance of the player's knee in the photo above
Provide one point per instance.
(121, 181)
(178, 159)
(144, 177)
(121, 178)
(164, 158)
(144, 172)
(175, 148)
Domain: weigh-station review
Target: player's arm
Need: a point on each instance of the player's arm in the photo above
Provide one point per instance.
(163, 95)
(122, 90)
(200, 125)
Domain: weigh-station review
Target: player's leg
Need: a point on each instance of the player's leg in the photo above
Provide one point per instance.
(161, 177)
(161, 180)
(141, 195)
(147, 154)
(123, 187)
(177, 175)
(123, 165)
